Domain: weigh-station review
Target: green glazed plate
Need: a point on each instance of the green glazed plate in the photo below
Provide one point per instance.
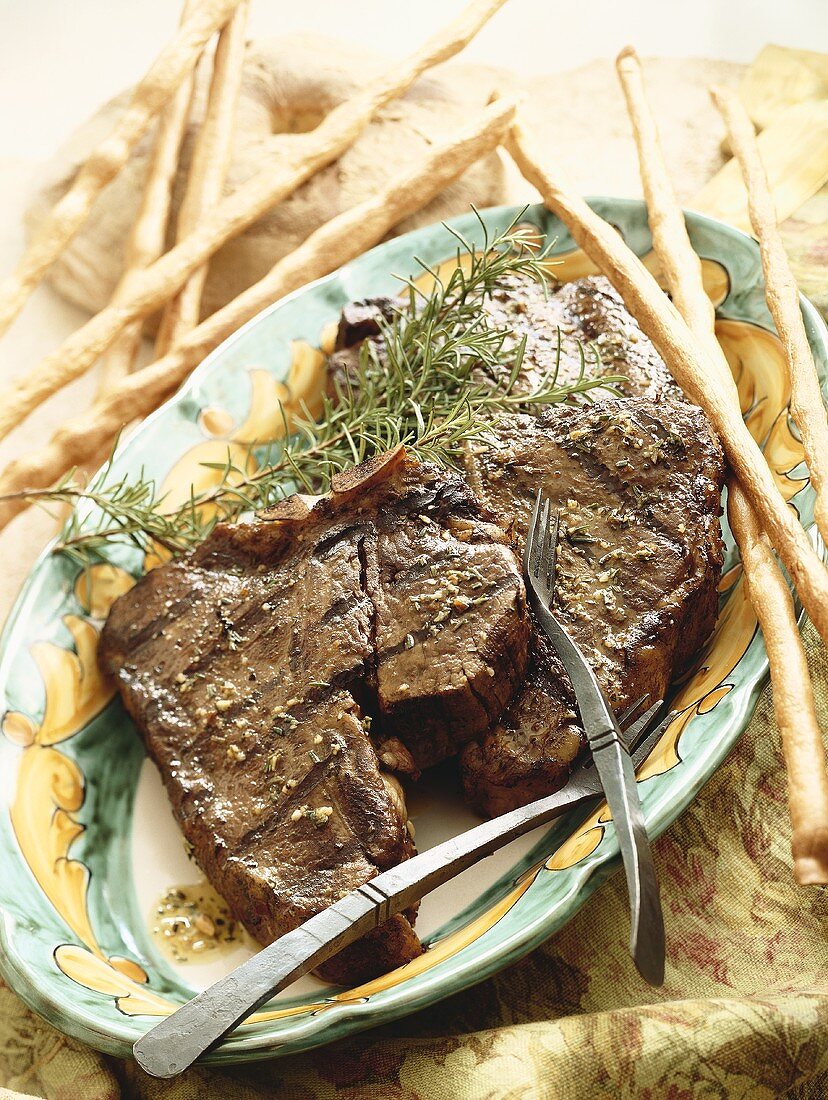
(87, 840)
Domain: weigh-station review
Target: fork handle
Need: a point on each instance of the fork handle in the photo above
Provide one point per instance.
(177, 1041)
(617, 774)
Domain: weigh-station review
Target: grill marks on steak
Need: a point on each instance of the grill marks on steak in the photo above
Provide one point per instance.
(254, 666)
(637, 484)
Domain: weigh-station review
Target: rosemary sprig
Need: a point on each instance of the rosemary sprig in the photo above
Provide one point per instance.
(438, 375)
(129, 512)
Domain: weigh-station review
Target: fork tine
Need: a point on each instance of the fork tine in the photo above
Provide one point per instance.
(543, 570)
(541, 549)
(626, 714)
(552, 564)
(532, 548)
(636, 730)
(652, 739)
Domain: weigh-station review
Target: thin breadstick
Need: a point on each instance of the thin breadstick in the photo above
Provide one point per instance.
(794, 147)
(681, 266)
(340, 240)
(164, 76)
(692, 368)
(146, 241)
(793, 696)
(782, 294)
(308, 154)
(208, 171)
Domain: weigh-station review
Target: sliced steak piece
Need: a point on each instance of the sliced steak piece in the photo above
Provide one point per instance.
(451, 627)
(259, 667)
(530, 753)
(637, 484)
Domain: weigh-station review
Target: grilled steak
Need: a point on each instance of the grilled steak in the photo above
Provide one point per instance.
(637, 484)
(589, 310)
(275, 670)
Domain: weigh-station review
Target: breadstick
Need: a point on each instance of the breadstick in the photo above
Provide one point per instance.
(146, 241)
(208, 171)
(340, 240)
(308, 154)
(164, 76)
(793, 696)
(691, 367)
(807, 406)
(681, 266)
(794, 147)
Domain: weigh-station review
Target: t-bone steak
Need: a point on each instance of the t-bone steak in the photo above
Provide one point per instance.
(282, 669)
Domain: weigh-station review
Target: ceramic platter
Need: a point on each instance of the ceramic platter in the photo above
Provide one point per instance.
(87, 841)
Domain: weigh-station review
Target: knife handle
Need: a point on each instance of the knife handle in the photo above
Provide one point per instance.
(177, 1041)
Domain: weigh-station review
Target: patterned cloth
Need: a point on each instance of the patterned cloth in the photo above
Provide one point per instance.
(743, 1011)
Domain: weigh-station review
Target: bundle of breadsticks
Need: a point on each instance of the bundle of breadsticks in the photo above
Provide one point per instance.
(682, 331)
(173, 280)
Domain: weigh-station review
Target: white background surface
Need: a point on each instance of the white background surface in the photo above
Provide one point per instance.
(59, 59)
